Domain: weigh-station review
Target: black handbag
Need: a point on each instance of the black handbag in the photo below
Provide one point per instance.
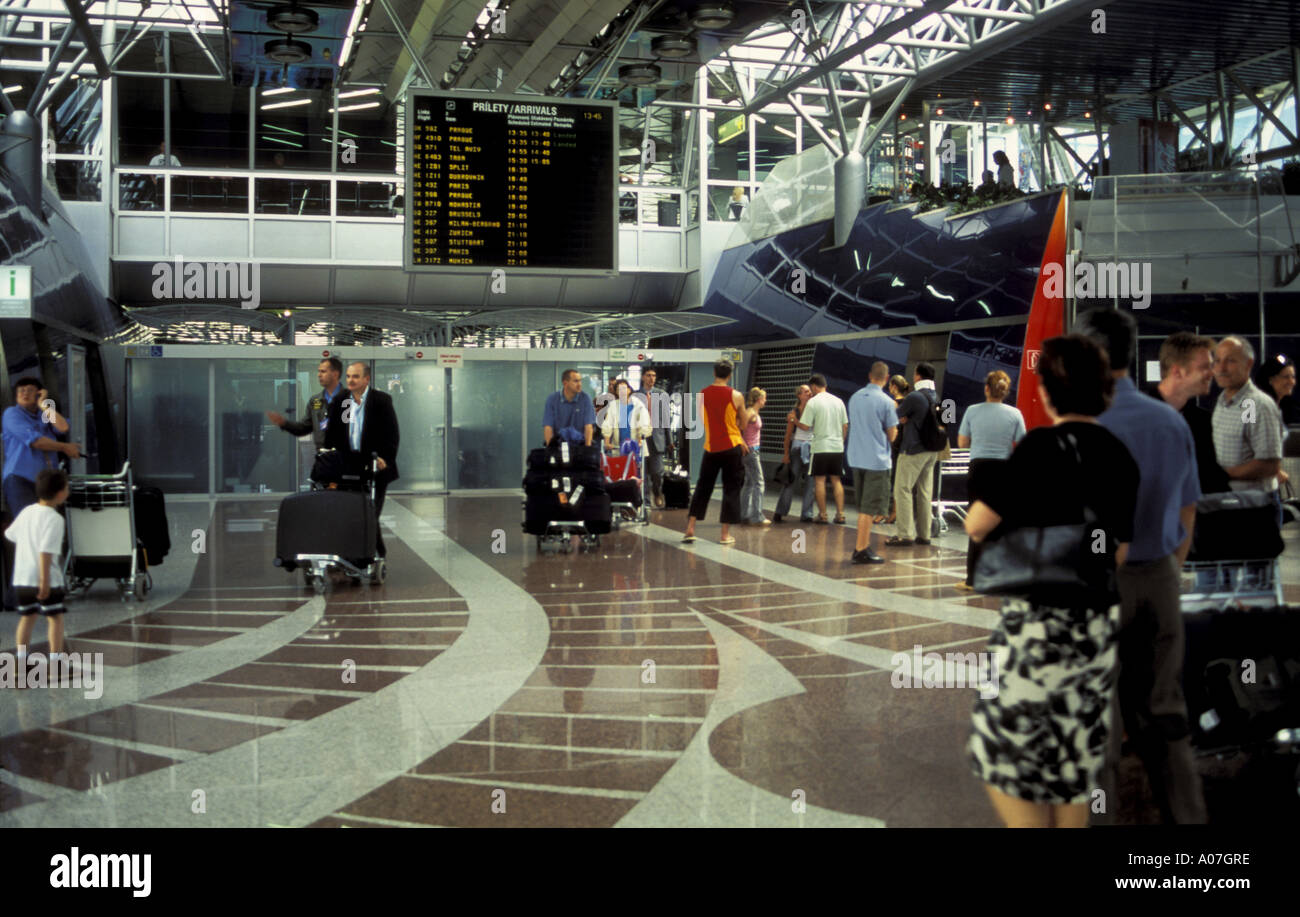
(1053, 565)
(1236, 525)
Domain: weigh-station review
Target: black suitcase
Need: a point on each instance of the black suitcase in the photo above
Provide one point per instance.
(342, 523)
(151, 531)
(677, 489)
(538, 482)
(624, 492)
(593, 510)
(1237, 525)
(1241, 675)
(564, 455)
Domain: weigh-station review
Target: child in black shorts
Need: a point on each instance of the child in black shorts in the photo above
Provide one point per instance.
(37, 534)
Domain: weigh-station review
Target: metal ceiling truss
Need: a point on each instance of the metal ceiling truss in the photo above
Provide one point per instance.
(889, 45)
(1215, 96)
(100, 40)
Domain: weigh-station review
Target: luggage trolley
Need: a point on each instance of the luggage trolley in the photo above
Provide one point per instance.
(317, 567)
(620, 470)
(1235, 556)
(564, 497)
(950, 495)
(101, 534)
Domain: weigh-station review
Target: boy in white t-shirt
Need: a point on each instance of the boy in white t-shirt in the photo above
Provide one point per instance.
(38, 568)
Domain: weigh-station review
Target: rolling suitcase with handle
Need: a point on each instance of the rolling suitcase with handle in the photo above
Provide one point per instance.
(332, 522)
(677, 489)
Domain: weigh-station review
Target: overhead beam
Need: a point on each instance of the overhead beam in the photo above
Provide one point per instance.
(78, 14)
(1266, 110)
(847, 53)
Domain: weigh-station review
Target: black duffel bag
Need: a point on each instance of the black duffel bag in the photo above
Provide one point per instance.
(1236, 525)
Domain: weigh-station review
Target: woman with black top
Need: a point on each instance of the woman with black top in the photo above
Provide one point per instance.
(1039, 742)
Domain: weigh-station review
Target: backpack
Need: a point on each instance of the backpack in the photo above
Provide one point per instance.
(932, 431)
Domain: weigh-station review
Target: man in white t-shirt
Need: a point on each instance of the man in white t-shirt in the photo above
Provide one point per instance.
(828, 419)
(37, 534)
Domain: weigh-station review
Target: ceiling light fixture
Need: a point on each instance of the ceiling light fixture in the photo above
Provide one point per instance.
(672, 46)
(292, 19)
(351, 33)
(639, 74)
(288, 51)
(9, 89)
(292, 103)
(712, 16)
(358, 107)
(352, 94)
(279, 90)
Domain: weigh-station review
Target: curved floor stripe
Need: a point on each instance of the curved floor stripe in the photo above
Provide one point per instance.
(698, 791)
(298, 775)
(843, 590)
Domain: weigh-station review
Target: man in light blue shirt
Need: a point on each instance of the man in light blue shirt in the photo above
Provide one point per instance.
(873, 425)
(30, 436)
(1150, 677)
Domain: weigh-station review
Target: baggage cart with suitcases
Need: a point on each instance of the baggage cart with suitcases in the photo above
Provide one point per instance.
(1233, 560)
(565, 495)
(332, 529)
(105, 525)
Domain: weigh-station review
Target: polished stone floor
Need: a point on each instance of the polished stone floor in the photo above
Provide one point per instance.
(646, 683)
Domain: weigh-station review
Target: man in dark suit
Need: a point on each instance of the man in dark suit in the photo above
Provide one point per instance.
(362, 423)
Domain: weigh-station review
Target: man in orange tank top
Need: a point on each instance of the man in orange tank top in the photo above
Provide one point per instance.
(724, 449)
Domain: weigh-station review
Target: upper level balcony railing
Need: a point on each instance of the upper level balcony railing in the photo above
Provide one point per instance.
(334, 217)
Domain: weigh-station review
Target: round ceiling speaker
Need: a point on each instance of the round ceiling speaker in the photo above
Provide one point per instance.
(672, 46)
(292, 19)
(712, 16)
(288, 51)
(639, 74)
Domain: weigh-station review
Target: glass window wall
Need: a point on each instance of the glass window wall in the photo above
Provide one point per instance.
(420, 401)
(168, 426)
(487, 407)
(253, 455)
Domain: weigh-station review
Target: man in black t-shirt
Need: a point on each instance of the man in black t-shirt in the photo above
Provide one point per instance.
(1186, 369)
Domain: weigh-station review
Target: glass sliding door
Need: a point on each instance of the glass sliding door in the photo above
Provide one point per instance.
(487, 441)
(420, 401)
(168, 424)
(253, 455)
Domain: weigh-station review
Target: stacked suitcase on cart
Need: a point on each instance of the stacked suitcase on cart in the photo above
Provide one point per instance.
(1241, 670)
(564, 495)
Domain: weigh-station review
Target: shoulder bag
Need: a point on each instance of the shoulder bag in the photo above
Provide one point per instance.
(1053, 565)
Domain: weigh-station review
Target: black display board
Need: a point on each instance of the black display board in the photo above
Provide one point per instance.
(522, 182)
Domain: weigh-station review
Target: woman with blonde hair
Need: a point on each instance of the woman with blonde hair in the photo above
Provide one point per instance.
(751, 495)
(990, 430)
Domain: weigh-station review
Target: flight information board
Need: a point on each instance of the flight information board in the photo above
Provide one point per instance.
(510, 182)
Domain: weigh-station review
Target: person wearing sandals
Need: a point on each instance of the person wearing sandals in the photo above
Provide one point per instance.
(873, 425)
(797, 457)
(990, 430)
(1039, 735)
(751, 495)
(724, 415)
(828, 419)
(914, 481)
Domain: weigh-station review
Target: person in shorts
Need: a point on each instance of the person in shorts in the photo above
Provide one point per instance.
(828, 419)
(37, 535)
(873, 425)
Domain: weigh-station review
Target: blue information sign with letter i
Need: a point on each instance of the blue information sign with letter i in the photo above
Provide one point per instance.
(15, 291)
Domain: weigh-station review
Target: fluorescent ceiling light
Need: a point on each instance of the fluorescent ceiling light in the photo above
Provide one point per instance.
(935, 292)
(9, 89)
(789, 133)
(359, 92)
(296, 146)
(279, 90)
(290, 104)
(358, 107)
(351, 34)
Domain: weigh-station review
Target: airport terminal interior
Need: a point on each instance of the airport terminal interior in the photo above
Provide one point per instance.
(272, 270)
